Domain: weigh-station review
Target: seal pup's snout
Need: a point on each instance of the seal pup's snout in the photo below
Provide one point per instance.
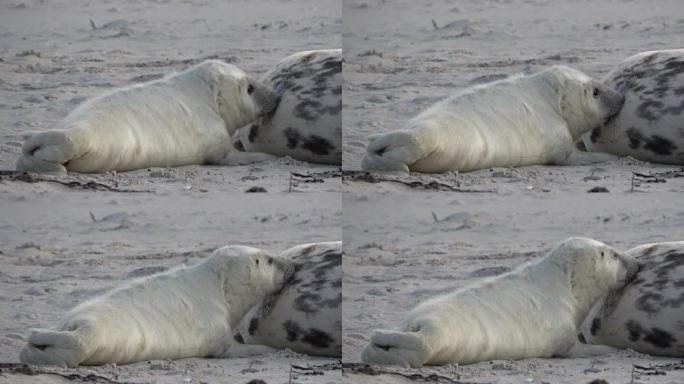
(270, 104)
(264, 97)
(622, 89)
(289, 271)
(621, 101)
(631, 265)
(612, 99)
(287, 267)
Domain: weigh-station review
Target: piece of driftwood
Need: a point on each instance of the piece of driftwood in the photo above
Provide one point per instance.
(659, 177)
(412, 183)
(370, 370)
(317, 177)
(658, 370)
(312, 177)
(88, 185)
(29, 370)
(654, 177)
(315, 370)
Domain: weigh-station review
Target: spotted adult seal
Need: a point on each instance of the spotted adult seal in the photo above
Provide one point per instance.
(649, 126)
(187, 312)
(534, 311)
(307, 124)
(306, 315)
(648, 314)
(522, 120)
(185, 118)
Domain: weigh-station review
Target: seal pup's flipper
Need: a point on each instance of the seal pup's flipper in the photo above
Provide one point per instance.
(49, 347)
(405, 349)
(46, 152)
(392, 152)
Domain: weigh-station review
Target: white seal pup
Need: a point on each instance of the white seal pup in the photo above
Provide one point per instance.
(647, 315)
(188, 312)
(186, 118)
(534, 311)
(649, 126)
(306, 315)
(522, 120)
(307, 124)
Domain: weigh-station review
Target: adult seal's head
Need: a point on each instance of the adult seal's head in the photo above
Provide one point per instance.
(649, 126)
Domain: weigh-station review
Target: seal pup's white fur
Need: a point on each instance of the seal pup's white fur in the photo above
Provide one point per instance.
(187, 312)
(522, 120)
(534, 311)
(186, 118)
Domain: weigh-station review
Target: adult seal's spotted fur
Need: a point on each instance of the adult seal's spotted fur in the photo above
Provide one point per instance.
(523, 120)
(648, 314)
(306, 315)
(307, 124)
(650, 124)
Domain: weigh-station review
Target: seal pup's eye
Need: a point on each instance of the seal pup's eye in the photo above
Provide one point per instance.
(602, 254)
(596, 93)
(257, 261)
(270, 260)
(250, 89)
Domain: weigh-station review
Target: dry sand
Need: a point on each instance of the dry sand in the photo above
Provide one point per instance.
(56, 54)
(402, 244)
(397, 62)
(61, 244)
(405, 244)
(58, 248)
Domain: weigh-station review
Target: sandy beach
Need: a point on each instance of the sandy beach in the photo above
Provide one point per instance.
(54, 55)
(62, 247)
(65, 239)
(403, 56)
(404, 246)
(409, 238)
